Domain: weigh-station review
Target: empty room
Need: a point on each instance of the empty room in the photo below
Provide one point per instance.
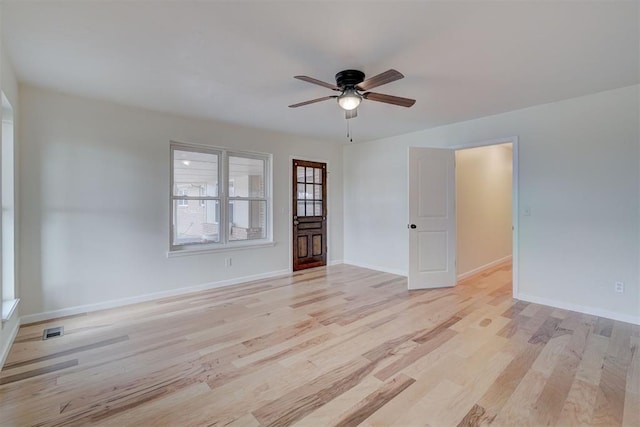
(320, 213)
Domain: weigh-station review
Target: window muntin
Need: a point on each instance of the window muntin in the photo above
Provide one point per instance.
(200, 178)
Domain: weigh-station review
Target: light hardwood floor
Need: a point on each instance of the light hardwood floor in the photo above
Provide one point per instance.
(337, 346)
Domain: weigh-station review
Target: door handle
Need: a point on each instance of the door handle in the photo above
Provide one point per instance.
(296, 222)
(412, 226)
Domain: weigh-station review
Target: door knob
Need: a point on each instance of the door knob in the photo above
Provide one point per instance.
(412, 226)
(296, 222)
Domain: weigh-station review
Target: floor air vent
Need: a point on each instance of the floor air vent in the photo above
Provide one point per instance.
(58, 331)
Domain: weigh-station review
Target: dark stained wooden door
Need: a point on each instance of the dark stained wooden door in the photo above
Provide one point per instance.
(309, 214)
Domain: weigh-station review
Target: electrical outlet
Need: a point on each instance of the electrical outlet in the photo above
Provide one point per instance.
(227, 262)
(619, 287)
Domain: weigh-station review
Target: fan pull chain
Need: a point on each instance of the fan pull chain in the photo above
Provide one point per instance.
(349, 132)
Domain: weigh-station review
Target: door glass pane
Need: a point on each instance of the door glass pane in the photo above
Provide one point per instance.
(300, 173)
(317, 192)
(300, 208)
(309, 191)
(318, 175)
(309, 209)
(192, 171)
(247, 175)
(196, 222)
(318, 208)
(310, 175)
(249, 220)
(301, 192)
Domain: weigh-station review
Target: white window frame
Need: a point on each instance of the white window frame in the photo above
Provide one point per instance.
(8, 229)
(223, 198)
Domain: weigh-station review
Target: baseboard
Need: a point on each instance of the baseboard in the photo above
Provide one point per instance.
(4, 351)
(580, 309)
(335, 262)
(404, 273)
(484, 267)
(39, 317)
(377, 268)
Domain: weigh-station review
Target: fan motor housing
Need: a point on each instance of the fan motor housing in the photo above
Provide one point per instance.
(349, 78)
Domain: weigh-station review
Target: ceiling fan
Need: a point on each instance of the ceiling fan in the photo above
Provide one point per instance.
(354, 88)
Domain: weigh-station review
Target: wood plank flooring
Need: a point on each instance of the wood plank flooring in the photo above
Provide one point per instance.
(338, 346)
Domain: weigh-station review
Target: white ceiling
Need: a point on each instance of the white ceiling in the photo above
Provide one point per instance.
(234, 61)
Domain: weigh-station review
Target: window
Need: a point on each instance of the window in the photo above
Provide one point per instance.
(203, 193)
(309, 189)
(183, 202)
(8, 288)
(220, 198)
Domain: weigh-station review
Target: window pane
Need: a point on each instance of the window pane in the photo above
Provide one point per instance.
(248, 221)
(309, 175)
(247, 175)
(309, 191)
(318, 208)
(318, 176)
(193, 171)
(301, 191)
(300, 208)
(317, 192)
(300, 173)
(309, 209)
(195, 223)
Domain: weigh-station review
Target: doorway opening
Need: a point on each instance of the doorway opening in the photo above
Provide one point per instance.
(484, 192)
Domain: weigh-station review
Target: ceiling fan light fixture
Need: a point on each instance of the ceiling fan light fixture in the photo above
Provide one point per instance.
(349, 100)
(353, 88)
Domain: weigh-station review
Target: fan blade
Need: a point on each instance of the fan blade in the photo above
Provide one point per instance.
(389, 99)
(313, 101)
(317, 82)
(379, 80)
(350, 114)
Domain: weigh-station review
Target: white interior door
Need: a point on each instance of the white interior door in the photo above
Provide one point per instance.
(432, 218)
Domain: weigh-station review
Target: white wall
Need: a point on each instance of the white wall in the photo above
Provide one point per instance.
(95, 182)
(578, 172)
(8, 85)
(483, 206)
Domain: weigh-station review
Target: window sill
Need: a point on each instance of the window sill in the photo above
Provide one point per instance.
(8, 307)
(212, 250)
